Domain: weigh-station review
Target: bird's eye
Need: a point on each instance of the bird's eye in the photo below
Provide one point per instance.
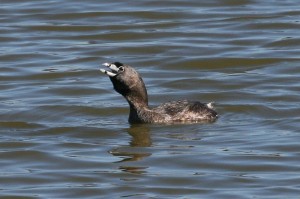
(121, 68)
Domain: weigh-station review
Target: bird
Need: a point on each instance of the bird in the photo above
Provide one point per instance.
(129, 83)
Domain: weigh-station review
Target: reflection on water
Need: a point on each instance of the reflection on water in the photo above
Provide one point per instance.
(64, 131)
(140, 138)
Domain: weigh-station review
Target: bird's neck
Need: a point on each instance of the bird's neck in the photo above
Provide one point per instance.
(137, 97)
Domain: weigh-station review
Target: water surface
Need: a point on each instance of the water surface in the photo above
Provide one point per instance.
(64, 131)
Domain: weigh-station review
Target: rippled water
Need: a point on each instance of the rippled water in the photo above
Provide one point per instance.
(64, 131)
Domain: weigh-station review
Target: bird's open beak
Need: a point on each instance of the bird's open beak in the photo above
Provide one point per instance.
(114, 70)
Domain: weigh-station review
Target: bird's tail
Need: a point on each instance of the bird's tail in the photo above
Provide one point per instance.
(210, 105)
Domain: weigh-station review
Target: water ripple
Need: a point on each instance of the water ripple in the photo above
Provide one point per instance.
(64, 131)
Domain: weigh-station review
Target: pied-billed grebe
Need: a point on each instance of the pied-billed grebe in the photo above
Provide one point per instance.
(129, 83)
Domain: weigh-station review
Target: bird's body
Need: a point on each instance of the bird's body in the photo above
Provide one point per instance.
(128, 83)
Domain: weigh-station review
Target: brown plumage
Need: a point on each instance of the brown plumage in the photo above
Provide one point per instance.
(129, 83)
